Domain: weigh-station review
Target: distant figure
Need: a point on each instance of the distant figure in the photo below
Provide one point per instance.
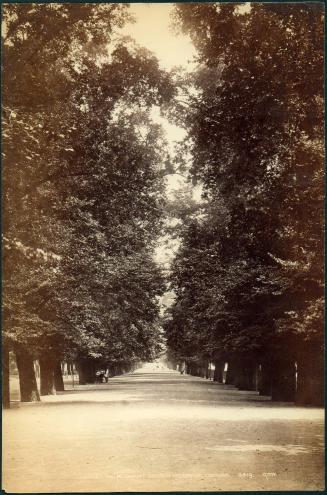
(100, 376)
(182, 368)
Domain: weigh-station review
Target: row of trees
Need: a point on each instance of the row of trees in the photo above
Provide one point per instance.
(83, 193)
(248, 277)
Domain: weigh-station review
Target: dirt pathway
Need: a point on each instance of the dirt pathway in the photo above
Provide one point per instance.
(161, 432)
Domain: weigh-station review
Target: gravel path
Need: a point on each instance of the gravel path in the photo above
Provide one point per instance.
(160, 431)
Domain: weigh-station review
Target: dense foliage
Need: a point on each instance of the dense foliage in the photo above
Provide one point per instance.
(248, 277)
(84, 196)
(82, 184)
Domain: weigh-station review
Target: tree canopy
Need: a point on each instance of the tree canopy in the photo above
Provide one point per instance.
(84, 192)
(248, 277)
(83, 189)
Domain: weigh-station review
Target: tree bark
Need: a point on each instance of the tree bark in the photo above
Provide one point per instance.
(81, 373)
(193, 369)
(256, 375)
(27, 381)
(5, 378)
(69, 368)
(218, 374)
(86, 371)
(58, 379)
(283, 381)
(47, 365)
(231, 373)
(245, 375)
(265, 379)
(239, 376)
(310, 382)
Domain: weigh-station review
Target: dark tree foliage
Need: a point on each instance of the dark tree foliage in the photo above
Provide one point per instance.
(82, 185)
(248, 277)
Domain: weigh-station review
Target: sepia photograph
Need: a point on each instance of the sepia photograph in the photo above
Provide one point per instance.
(163, 247)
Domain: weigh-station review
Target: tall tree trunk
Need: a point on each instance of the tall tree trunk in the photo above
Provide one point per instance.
(47, 384)
(5, 378)
(27, 381)
(256, 377)
(81, 373)
(283, 380)
(194, 369)
(218, 374)
(240, 378)
(310, 381)
(86, 371)
(245, 375)
(230, 373)
(58, 379)
(265, 379)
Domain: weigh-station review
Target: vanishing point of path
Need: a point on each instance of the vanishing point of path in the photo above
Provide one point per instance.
(160, 431)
